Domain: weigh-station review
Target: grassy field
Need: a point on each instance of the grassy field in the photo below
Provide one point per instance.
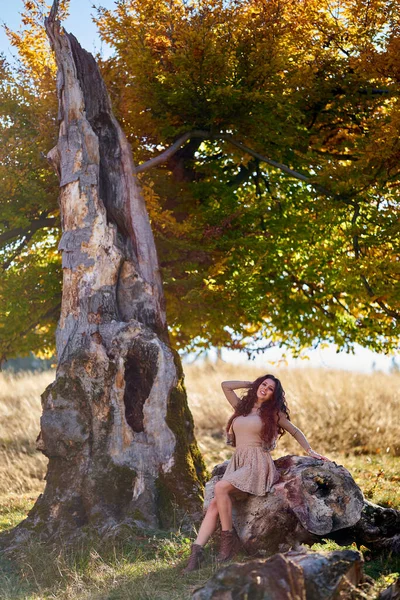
(353, 419)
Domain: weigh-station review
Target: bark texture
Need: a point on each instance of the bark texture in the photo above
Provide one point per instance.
(378, 529)
(290, 576)
(312, 500)
(115, 426)
(392, 592)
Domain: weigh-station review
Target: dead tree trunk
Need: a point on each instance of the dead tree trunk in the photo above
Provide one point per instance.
(311, 501)
(115, 426)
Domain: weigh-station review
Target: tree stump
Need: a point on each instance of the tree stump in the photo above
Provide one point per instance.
(116, 426)
(392, 592)
(312, 500)
(290, 576)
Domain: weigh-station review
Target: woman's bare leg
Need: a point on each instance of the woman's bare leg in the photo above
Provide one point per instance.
(208, 525)
(224, 503)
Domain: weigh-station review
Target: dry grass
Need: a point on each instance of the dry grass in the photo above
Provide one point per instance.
(351, 416)
(338, 411)
(21, 467)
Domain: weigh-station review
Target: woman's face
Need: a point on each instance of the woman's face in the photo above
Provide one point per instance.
(265, 390)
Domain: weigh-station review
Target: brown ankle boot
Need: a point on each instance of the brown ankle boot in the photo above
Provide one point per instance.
(230, 545)
(195, 559)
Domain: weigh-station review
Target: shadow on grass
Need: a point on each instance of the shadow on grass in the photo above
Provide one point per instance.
(141, 567)
(379, 566)
(12, 586)
(129, 566)
(158, 582)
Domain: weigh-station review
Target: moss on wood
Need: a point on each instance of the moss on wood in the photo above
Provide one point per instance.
(180, 490)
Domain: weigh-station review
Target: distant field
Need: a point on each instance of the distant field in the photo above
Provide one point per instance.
(22, 467)
(338, 411)
(352, 418)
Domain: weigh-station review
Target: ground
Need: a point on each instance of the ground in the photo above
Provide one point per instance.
(352, 418)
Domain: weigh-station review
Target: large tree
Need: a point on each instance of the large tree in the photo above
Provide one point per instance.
(275, 208)
(271, 135)
(288, 117)
(115, 425)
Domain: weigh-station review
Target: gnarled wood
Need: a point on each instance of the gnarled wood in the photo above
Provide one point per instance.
(312, 500)
(392, 592)
(290, 576)
(115, 426)
(378, 529)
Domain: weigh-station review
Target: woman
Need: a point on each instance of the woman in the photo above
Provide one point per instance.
(260, 417)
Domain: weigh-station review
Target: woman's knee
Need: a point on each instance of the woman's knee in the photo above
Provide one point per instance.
(221, 487)
(212, 507)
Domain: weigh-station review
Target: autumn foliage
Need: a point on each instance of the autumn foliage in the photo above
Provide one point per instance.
(277, 220)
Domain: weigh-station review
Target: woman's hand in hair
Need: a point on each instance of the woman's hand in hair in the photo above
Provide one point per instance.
(228, 388)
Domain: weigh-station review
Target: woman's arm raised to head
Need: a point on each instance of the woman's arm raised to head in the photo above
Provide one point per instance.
(229, 386)
(298, 435)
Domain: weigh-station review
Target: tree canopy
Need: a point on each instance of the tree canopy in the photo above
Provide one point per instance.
(30, 292)
(276, 210)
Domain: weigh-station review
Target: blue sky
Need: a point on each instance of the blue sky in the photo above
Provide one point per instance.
(80, 24)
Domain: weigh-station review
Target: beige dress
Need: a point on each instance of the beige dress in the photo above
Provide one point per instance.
(251, 468)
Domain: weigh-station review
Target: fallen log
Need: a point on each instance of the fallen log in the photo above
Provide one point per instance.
(312, 500)
(289, 576)
(378, 529)
(392, 592)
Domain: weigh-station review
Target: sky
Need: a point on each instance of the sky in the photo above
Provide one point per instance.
(362, 360)
(80, 24)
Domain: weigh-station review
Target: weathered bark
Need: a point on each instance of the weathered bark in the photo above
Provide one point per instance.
(115, 425)
(392, 592)
(312, 500)
(290, 576)
(378, 529)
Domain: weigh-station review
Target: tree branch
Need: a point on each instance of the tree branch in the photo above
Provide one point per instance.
(300, 286)
(53, 311)
(370, 291)
(337, 155)
(391, 313)
(31, 228)
(336, 297)
(7, 262)
(167, 154)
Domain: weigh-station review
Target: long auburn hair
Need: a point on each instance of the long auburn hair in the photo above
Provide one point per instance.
(269, 411)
